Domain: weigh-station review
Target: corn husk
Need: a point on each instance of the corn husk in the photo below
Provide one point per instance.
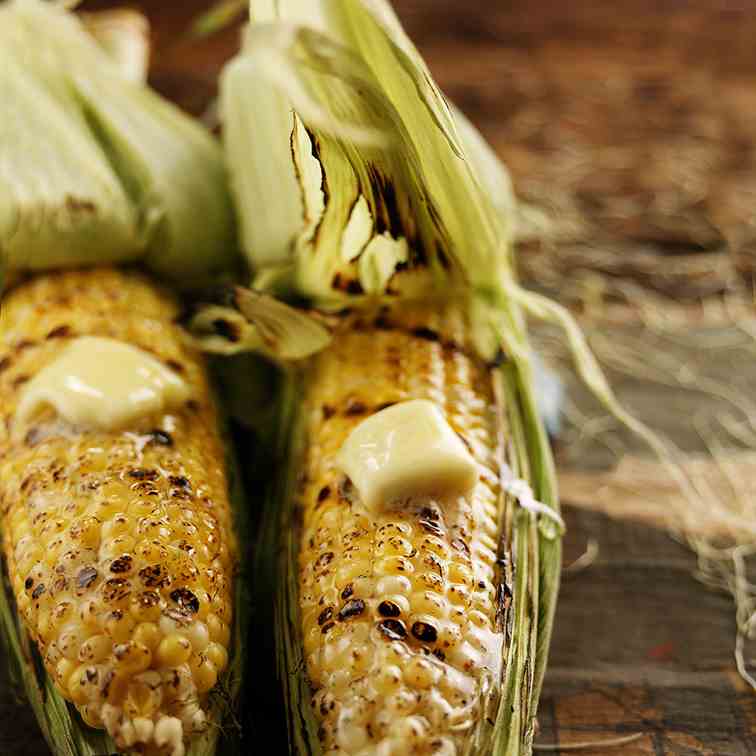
(94, 167)
(355, 181)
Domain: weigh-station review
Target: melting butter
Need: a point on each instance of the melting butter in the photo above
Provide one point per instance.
(404, 451)
(102, 383)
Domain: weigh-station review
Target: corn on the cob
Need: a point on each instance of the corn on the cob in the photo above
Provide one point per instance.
(118, 545)
(401, 608)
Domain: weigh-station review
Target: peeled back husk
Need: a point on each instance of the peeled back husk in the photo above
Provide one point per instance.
(95, 168)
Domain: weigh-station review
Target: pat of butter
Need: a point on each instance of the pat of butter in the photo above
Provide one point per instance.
(404, 451)
(102, 383)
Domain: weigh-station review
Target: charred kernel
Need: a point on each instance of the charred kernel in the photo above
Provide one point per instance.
(388, 609)
(352, 608)
(328, 412)
(227, 329)
(186, 600)
(28, 583)
(122, 564)
(324, 493)
(141, 474)
(355, 407)
(426, 513)
(147, 599)
(154, 576)
(425, 632)
(393, 629)
(161, 438)
(428, 334)
(327, 627)
(347, 592)
(38, 591)
(4, 363)
(439, 654)
(174, 365)
(179, 481)
(325, 615)
(61, 332)
(324, 560)
(116, 589)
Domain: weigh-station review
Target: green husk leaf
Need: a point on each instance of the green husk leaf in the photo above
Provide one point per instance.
(95, 168)
(259, 323)
(124, 34)
(385, 140)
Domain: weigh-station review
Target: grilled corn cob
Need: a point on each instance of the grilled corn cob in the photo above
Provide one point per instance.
(118, 545)
(402, 609)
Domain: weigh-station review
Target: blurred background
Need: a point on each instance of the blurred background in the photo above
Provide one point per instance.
(629, 129)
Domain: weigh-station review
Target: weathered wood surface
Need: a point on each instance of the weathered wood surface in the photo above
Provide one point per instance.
(630, 130)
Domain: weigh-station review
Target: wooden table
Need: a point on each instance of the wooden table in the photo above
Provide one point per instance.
(630, 131)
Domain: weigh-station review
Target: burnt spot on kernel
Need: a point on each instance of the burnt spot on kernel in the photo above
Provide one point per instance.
(353, 608)
(61, 332)
(4, 363)
(142, 474)
(179, 481)
(425, 632)
(38, 591)
(328, 411)
(393, 629)
(19, 380)
(86, 576)
(148, 599)
(174, 365)
(355, 407)
(28, 583)
(427, 334)
(347, 592)
(122, 564)
(439, 654)
(323, 494)
(227, 329)
(324, 560)
(327, 627)
(116, 589)
(186, 600)
(325, 615)
(388, 609)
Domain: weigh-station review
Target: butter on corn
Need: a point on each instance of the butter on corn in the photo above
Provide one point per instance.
(405, 451)
(102, 383)
(118, 544)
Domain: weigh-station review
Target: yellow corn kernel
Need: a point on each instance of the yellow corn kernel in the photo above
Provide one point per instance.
(173, 650)
(204, 672)
(218, 655)
(148, 634)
